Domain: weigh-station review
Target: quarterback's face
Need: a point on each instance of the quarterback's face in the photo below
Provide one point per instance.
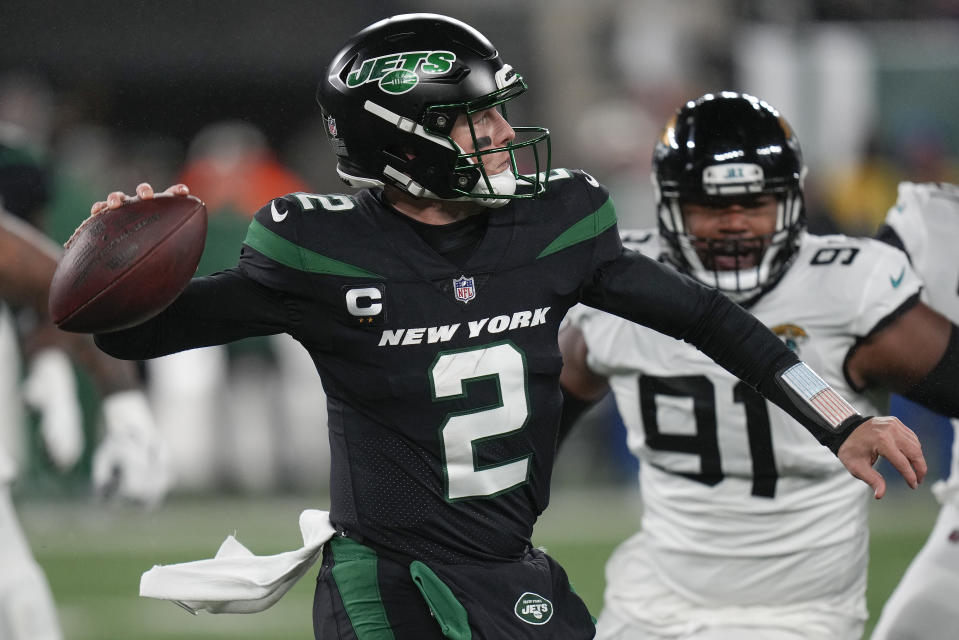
(734, 234)
(492, 132)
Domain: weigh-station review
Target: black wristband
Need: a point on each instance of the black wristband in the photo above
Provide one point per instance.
(845, 430)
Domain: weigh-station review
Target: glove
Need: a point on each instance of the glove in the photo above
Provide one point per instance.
(50, 389)
(131, 463)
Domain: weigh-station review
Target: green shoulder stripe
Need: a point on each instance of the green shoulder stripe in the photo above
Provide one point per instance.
(589, 227)
(296, 257)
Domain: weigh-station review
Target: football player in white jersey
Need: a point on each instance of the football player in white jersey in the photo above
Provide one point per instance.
(751, 529)
(925, 224)
(130, 462)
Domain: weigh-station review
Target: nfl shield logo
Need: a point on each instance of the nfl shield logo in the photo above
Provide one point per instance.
(331, 125)
(463, 289)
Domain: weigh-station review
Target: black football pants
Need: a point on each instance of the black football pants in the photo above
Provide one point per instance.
(362, 595)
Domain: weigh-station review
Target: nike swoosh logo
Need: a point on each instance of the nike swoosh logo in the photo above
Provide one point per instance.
(280, 217)
(895, 282)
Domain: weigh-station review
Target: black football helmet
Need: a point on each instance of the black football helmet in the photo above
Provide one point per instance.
(390, 99)
(723, 147)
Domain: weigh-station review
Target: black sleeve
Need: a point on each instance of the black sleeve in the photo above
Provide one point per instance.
(657, 296)
(212, 310)
(937, 391)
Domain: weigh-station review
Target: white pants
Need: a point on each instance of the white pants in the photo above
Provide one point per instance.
(648, 609)
(27, 611)
(925, 604)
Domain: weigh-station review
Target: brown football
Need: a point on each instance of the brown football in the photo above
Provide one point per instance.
(126, 265)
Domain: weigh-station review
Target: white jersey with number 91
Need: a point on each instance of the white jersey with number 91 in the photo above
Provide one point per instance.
(741, 505)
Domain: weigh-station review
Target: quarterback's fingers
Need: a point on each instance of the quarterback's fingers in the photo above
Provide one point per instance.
(177, 190)
(116, 198)
(870, 476)
(889, 438)
(904, 451)
(907, 466)
(912, 450)
(144, 191)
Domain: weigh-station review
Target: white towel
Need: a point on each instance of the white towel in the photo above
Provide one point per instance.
(236, 580)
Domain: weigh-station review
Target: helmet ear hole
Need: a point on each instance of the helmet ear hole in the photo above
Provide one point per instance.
(464, 179)
(440, 122)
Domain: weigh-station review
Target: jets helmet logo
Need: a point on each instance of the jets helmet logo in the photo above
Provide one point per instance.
(397, 73)
(398, 81)
(532, 608)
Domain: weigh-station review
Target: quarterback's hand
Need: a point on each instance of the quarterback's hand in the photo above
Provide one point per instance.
(118, 198)
(144, 192)
(889, 438)
(50, 388)
(131, 463)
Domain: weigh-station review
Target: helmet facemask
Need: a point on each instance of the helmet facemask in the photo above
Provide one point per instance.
(720, 150)
(471, 180)
(741, 267)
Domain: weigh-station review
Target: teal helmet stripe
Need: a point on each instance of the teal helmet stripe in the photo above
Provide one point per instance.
(587, 228)
(294, 256)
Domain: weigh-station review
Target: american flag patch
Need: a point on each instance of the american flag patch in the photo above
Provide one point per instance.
(820, 396)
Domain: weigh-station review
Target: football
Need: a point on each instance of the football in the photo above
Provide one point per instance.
(124, 266)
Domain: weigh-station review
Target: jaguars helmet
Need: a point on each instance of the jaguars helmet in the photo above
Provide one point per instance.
(723, 147)
(390, 99)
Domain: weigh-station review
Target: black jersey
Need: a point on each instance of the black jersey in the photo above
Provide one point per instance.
(442, 381)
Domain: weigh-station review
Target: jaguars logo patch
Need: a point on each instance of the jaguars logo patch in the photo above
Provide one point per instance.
(792, 335)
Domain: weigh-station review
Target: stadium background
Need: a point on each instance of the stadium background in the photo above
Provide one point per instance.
(118, 92)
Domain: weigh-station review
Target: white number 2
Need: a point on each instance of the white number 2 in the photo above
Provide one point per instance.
(504, 364)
